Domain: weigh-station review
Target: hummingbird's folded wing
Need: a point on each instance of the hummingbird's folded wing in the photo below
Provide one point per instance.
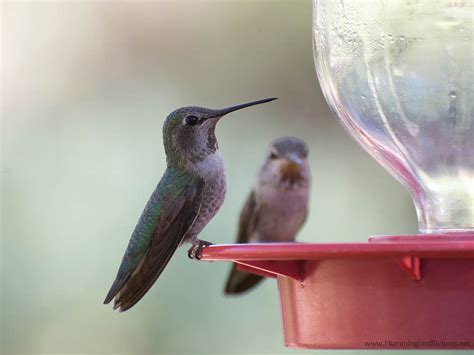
(167, 217)
(240, 281)
(248, 219)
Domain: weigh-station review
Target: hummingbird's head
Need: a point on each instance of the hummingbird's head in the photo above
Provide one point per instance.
(286, 164)
(189, 132)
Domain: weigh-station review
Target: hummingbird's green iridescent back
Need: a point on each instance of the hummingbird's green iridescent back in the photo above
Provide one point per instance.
(168, 215)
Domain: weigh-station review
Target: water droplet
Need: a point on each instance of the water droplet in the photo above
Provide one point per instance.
(363, 97)
(452, 95)
(402, 38)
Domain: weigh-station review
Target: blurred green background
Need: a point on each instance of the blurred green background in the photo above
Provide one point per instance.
(85, 89)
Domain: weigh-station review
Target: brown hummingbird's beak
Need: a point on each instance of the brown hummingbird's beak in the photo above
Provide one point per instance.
(225, 111)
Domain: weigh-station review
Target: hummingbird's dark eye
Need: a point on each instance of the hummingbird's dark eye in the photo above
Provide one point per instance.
(191, 120)
(273, 155)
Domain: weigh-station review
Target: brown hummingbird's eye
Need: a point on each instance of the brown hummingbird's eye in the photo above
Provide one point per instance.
(273, 156)
(191, 120)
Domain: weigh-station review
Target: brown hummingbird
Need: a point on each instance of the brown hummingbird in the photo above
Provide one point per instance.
(277, 205)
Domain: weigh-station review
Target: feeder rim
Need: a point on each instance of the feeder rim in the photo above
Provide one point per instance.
(462, 247)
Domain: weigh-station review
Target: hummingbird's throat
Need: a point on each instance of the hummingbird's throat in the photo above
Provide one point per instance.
(291, 173)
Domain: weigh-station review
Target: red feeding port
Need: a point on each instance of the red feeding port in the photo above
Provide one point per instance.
(395, 292)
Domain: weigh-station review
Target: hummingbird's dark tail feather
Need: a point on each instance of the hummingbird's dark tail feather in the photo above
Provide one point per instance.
(130, 286)
(240, 281)
(128, 290)
(146, 274)
(170, 230)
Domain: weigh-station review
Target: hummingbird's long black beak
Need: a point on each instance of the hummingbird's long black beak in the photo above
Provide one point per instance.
(225, 111)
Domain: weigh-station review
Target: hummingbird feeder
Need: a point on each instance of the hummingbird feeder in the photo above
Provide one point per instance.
(399, 75)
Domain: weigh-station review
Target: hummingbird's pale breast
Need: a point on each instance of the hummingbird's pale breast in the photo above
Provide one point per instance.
(207, 168)
(211, 170)
(285, 213)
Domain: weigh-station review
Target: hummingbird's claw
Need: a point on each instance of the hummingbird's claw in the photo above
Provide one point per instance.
(195, 251)
(202, 244)
(191, 252)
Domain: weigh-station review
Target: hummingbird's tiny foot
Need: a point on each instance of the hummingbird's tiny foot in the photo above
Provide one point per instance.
(191, 252)
(195, 251)
(202, 244)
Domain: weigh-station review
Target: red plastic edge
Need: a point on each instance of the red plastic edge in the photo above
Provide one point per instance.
(256, 271)
(289, 268)
(288, 259)
(302, 251)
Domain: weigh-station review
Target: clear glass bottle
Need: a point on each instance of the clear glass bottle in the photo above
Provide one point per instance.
(399, 75)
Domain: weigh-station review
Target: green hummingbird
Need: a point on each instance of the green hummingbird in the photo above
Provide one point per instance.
(187, 197)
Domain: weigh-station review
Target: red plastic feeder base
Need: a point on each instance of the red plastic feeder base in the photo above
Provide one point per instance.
(406, 292)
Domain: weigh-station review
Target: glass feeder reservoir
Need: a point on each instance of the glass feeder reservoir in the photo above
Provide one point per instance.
(400, 77)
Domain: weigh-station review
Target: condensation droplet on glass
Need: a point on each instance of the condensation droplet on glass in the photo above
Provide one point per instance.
(452, 95)
(413, 128)
(402, 38)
